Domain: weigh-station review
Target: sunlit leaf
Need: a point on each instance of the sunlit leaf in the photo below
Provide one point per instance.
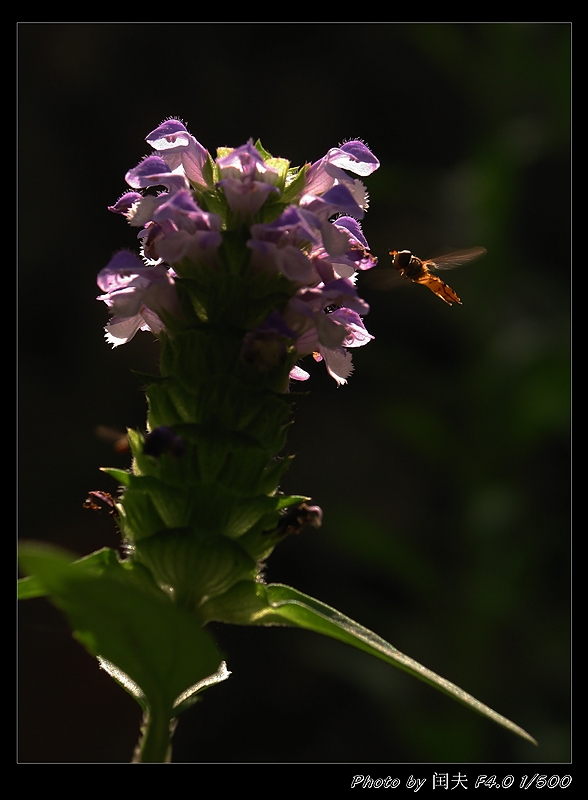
(119, 616)
(275, 604)
(305, 612)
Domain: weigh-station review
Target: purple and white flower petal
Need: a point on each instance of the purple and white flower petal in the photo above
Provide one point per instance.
(294, 226)
(286, 260)
(344, 250)
(357, 334)
(121, 330)
(353, 228)
(125, 203)
(246, 179)
(305, 314)
(335, 239)
(299, 374)
(245, 198)
(358, 252)
(153, 171)
(143, 211)
(196, 246)
(327, 333)
(151, 235)
(353, 156)
(186, 230)
(137, 208)
(246, 162)
(135, 294)
(276, 246)
(327, 268)
(180, 149)
(337, 200)
(342, 292)
(338, 362)
(186, 214)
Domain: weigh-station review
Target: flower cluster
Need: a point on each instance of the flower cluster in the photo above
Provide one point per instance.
(299, 236)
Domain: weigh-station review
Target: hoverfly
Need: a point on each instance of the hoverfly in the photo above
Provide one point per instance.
(413, 269)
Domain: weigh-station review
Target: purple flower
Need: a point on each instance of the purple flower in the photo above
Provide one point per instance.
(153, 171)
(125, 203)
(276, 246)
(338, 200)
(357, 240)
(305, 313)
(337, 249)
(186, 214)
(336, 256)
(324, 332)
(353, 156)
(174, 226)
(357, 335)
(246, 179)
(316, 243)
(286, 259)
(180, 149)
(344, 250)
(136, 295)
(356, 255)
(293, 226)
(338, 360)
(181, 229)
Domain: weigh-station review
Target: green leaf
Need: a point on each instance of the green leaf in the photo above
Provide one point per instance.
(122, 476)
(295, 187)
(276, 604)
(191, 695)
(31, 586)
(195, 565)
(262, 151)
(120, 615)
(305, 612)
(184, 701)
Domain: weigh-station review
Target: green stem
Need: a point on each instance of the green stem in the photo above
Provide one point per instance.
(154, 746)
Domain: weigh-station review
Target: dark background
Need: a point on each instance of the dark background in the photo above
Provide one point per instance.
(442, 468)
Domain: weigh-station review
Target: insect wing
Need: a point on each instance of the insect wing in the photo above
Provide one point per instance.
(456, 259)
